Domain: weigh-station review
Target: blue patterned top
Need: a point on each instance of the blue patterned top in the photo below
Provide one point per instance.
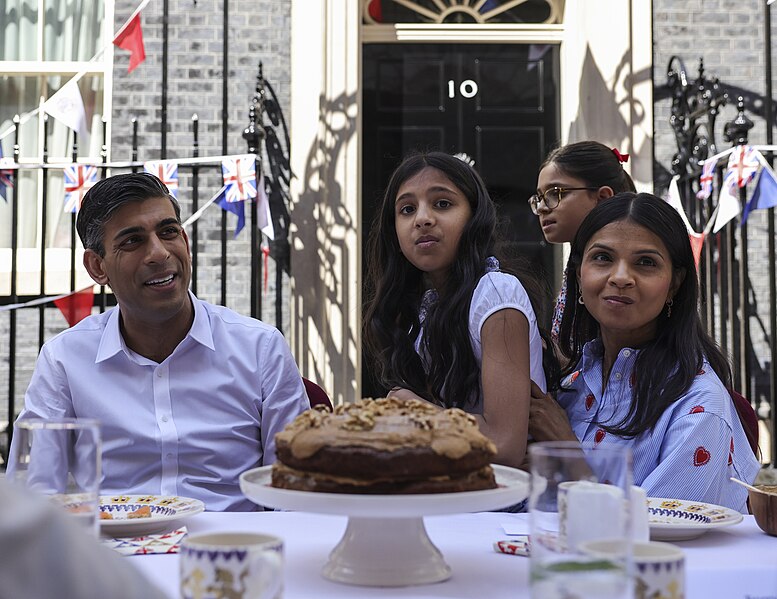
(695, 447)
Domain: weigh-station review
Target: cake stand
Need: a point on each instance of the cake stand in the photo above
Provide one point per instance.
(385, 543)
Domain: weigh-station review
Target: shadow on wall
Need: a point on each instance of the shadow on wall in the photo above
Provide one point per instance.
(324, 288)
(599, 115)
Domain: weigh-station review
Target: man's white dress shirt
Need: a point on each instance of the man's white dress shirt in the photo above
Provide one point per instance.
(187, 426)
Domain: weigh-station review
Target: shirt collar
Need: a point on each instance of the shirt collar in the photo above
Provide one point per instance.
(594, 350)
(112, 342)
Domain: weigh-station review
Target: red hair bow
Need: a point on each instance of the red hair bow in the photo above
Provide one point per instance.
(621, 157)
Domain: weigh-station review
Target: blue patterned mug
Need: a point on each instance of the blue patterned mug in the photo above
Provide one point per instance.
(659, 568)
(234, 565)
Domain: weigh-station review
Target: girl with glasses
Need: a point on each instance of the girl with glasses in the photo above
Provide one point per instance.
(642, 371)
(444, 320)
(572, 180)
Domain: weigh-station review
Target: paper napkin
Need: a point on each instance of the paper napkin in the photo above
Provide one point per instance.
(169, 542)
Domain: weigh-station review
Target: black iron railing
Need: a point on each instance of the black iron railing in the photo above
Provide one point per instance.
(738, 299)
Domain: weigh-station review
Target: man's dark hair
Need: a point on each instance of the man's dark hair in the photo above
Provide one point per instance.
(107, 196)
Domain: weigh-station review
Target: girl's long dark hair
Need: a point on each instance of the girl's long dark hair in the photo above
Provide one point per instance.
(667, 365)
(394, 289)
(593, 163)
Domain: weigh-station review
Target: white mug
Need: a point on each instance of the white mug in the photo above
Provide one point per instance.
(640, 517)
(659, 568)
(588, 511)
(237, 565)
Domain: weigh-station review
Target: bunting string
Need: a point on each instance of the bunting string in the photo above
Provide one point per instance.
(43, 300)
(207, 160)
(196, 216)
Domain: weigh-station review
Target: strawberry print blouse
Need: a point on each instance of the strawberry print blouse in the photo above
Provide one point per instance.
(695, 447)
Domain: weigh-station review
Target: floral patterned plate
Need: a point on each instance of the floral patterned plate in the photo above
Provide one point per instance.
(137, 515)
(681, 520)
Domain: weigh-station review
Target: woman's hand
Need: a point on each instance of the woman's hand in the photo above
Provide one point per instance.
(403, 394)
(547, 420)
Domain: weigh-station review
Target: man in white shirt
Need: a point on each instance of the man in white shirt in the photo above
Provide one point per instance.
(189, 394)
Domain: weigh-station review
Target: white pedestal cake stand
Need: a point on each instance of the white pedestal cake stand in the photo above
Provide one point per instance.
(385, 543)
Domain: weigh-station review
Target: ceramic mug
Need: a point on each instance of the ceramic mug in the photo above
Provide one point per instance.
(589, 511)
(659, 568)
(586, 512)
(235, 565)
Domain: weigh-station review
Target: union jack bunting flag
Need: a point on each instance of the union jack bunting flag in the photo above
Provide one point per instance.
(743, 161)
(239, 178)
(166, 172)
(706, 180)
(78, 179)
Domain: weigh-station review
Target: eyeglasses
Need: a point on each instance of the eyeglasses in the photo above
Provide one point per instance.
(552, 197)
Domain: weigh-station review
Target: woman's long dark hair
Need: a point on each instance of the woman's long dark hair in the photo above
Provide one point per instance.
(394, 289)
(593, 163)
(667, 365)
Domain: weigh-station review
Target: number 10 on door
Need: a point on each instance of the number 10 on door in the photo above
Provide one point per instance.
(467, 88)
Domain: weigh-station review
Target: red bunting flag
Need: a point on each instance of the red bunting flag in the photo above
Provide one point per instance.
(76, 306)
(131, 39)
(266, 254)
(697, 242)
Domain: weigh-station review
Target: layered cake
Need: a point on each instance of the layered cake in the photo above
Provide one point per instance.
(384, 446)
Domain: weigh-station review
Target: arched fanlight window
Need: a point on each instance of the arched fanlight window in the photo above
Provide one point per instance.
(378, 12)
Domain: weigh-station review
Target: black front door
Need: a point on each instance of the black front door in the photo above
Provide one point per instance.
(498, 103)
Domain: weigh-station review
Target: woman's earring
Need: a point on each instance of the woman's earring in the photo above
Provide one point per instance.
(669, 303)
(580, 300)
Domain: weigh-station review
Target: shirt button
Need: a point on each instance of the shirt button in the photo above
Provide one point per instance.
(618, 376)
(164, 419)
(627, 352)
(169, 456)
(159, 373)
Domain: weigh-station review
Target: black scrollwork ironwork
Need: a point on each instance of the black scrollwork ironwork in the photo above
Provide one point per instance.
(695, 108)
(265, 115)
(736, 131)
(264, 118)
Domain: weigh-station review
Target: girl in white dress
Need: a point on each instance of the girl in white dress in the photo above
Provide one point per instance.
(443, 321)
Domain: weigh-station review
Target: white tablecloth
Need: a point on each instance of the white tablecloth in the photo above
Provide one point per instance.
(737, 562)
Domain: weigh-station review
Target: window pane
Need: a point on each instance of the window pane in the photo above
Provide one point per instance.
(20, 95)
(72, 29)
(26, 194)
(18, 29)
